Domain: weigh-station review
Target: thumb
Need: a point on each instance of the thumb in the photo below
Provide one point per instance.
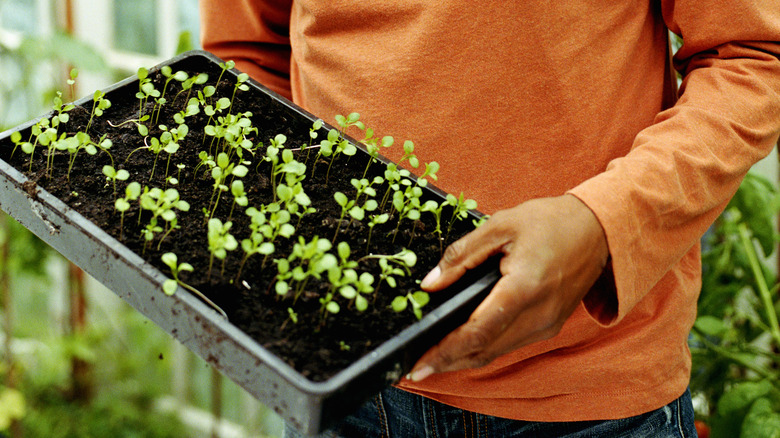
(466, 253)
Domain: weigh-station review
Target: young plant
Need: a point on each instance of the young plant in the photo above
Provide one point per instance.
(278, 224)
(223, 169)
(61, 110)
(188, 83)
(239, 196)
(372, 147)
(192, 109)
(220, 242)
(99, 104)
(74, 73)
(162, 204)
(293, 197)
(132, 192)
(310, 259)
(407, 204)
(356, 210)
(396, 178)
(257, 242)
(313, 134)
(345, 280)
(393, 266)
(375, 220)
(334, 146)
(460, 209)
(170, 139)
(409, 155)
(145, 89)
(417, 299)
(113, 175)
(169, 286)
(225, 66)
(240, 85)
(169, 75)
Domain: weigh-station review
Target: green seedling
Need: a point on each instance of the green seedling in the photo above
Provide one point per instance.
(372, 147)
(239, 196)
(99, 104)
(295, 200)
(74, 73)
(460, 209)
(431, 169)
(375, 220)
(145, 89)
(291, 316)
(162, 204)
(227, 65)
(352, 206)
(113, 175)
(353, 119)
(417, 299)
(240, 85)
(216, 131)
(396, 178)
(313, 134)
(170, 140)
(407, 204)
(132, 192)
(169, 286)
(205, 160)
(192, 109)
(61, 115)
(409, 155)
(273, 155)
(223, 169)
(261, 237)
(307, 260)
(334, 146)
(345, 280)
(278, 224)
(43, 134)
(188, 83)
(393, 266)
(169, 75)
(220, 242)
(481, 220)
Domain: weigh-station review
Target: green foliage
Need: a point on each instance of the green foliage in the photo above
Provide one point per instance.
(418, 300)
(113, 175)
(99, 105)
(220, 242)
(736, 338)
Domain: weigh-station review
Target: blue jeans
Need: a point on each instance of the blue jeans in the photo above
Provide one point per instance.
(398, 414)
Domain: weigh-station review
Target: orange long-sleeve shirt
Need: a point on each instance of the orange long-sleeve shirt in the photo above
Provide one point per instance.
(523, 100)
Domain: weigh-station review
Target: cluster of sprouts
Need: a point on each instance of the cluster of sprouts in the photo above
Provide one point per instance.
(231, 154)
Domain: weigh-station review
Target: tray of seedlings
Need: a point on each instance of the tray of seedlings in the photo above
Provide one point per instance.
(284, 251)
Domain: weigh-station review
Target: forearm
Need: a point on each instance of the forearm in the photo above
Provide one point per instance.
(656, 202)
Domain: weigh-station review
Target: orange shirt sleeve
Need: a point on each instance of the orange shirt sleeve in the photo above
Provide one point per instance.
(254, 34)
(657, 201)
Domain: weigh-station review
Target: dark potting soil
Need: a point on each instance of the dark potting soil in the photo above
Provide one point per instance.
(316, 347)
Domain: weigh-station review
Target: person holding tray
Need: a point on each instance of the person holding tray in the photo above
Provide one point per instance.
(562, 120)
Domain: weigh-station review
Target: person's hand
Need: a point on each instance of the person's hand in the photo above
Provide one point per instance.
(554, 250)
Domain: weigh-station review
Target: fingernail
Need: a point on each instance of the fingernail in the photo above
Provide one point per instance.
(431, 277)
(420, 374)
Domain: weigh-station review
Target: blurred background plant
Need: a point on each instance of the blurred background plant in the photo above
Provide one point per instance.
(736, 339)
